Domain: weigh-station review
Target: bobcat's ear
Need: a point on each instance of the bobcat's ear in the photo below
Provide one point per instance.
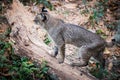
(43, 17)
(43, 14)
(43, 9)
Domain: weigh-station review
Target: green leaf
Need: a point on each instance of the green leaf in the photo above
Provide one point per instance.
(41, 75)
(45, 69)
(24, 64)
(47, 40)
(23, 59)
(34, 69)
(7, 45)
(43, 64)
(3, 58)
(15, 68)
(2, 52)
(99, 31)
(26, 70)
(3, 78)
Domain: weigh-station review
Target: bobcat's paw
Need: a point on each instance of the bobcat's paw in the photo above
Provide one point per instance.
(52, 53)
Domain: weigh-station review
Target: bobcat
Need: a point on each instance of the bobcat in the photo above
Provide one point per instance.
(90, 44)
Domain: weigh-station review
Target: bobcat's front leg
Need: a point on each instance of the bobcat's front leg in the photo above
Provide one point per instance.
(62, 54)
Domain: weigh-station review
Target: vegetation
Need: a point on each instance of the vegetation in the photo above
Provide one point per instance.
(104, 74)
(45, 3)
(47, 40)
(14, 67)
(4, 4)
(97, 14)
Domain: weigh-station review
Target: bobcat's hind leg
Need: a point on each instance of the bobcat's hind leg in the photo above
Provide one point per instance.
(84, 56)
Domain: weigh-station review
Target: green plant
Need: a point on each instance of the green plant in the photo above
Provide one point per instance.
(101, 33)
(96, 12)
(85, 11)
(95, 16)
(99, 10)
(46, 3)
(47, 40)
(104, 74)
(13, 67)
(4, 4)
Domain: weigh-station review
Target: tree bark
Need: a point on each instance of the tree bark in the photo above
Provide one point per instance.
(26, 42)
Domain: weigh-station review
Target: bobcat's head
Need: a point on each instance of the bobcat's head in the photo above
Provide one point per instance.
(42, 17)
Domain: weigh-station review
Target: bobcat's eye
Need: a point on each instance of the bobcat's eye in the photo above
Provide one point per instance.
(43, 17)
